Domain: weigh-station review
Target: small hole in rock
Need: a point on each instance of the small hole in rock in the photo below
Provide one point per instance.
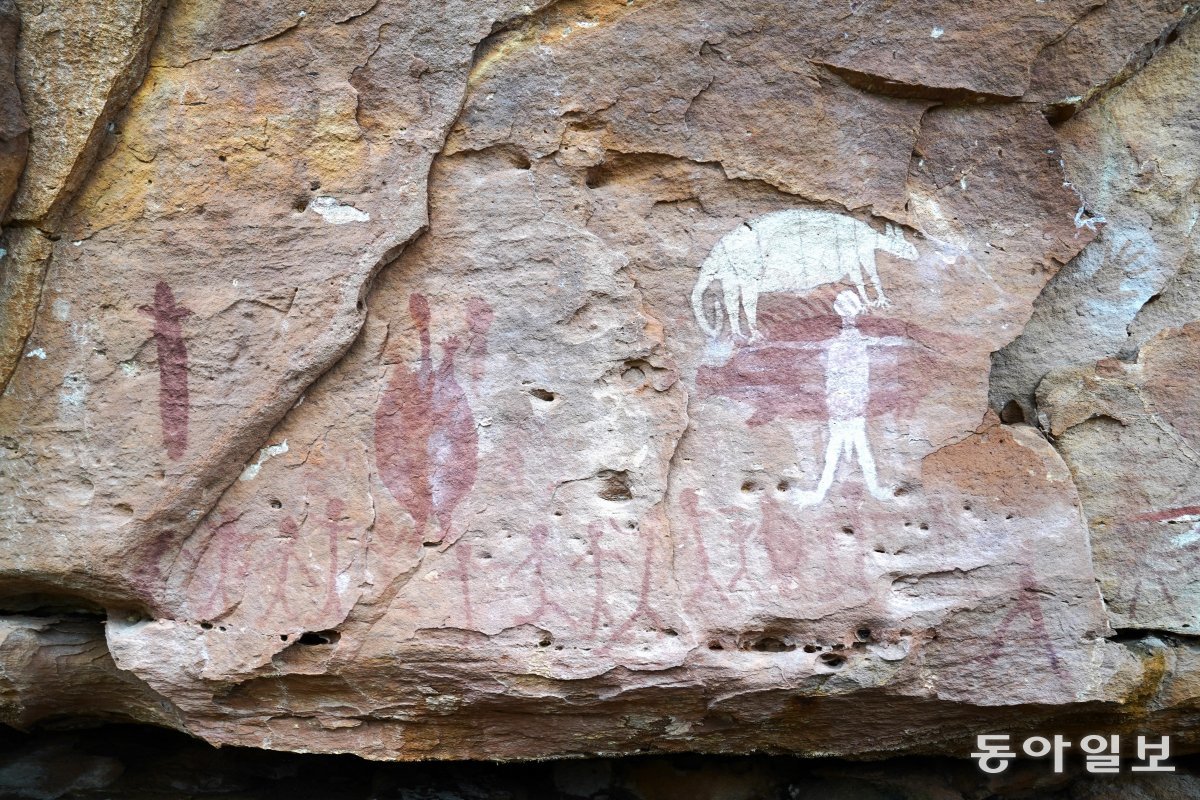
(715, 646)
(900, 491)
(811, 648)
(670, 632)
(543, 394)
(832, 660)
(275, 503)
(783, 486)
(770, 644)
(300, 204)
(924, 526)
(748, 486)
(846, 529)
(318, 637)
(1012, 413)
(634, 376)
(545, 642)
(430, 544)
(283, 636)
(206, 626)
(863, 634)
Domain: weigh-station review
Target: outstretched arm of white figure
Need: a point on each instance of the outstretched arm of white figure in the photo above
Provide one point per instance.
(889, 341)
(795, 345)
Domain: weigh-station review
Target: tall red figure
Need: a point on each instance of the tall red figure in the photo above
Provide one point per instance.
(172, 368)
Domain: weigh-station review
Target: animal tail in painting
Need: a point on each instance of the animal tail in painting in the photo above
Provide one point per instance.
(708, 273)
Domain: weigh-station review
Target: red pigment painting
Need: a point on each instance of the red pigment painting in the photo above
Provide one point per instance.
(425, 437)
(784, 374)
(172, 368)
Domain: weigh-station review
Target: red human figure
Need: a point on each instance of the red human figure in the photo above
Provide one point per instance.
(453, 443)
(425, 438)
(462, 571)
(403, 424)
(1027, 604)
(290, 533)
(1186, 543)
(690, 500)
(643, 609)
(539, 547)
(744, 531)
(173, 405)
(479, 321)
(597, 553)
(334, 528)
(230, 567)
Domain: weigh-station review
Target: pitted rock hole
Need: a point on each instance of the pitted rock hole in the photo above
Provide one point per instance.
(832, 660)
(614, 485)
(318, 638)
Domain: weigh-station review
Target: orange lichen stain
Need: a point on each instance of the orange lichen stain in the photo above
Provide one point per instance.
(256, 127)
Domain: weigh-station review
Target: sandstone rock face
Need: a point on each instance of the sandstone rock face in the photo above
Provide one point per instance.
(14, 129)
(402, 371)
(76, 66)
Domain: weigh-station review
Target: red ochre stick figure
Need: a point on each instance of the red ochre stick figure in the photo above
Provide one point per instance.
(230, 567)
(334, 528)
(1186, 543)
(539, 548)
(690, 499)
(643, 610)
(479, 320)
(289, 533)
(597, 553)
(462, 572)
(173, 404)
(1027, 604)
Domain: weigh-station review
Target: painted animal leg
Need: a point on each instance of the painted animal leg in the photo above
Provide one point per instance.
(733, 293)
(750, 303)
(881, 300)
(856, 276)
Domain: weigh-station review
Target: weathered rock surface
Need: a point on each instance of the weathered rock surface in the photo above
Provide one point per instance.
(1129, 432)
(14, 128)
(76, 65)
(403, 371)
(1133, 156)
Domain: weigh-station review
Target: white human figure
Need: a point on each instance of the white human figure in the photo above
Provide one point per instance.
(847, 391)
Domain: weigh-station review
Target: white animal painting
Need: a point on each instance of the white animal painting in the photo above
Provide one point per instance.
(794, 251)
